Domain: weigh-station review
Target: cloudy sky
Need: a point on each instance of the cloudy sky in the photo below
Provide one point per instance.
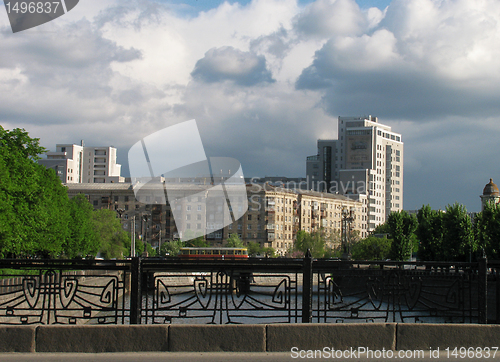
(266, 78)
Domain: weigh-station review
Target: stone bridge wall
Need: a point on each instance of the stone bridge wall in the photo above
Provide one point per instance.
(245, 338)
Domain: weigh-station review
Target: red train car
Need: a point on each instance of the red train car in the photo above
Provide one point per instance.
(213, 253)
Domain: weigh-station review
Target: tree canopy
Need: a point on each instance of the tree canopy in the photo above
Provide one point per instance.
(372, 248)
(401, 227)
(37, 219)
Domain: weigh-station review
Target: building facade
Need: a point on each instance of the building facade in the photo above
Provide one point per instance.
(80, 164)
(273, 218)
(364, 163)
(491, 194)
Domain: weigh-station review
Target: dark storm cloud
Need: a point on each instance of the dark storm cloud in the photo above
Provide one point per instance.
(228, 63)
(410, 71)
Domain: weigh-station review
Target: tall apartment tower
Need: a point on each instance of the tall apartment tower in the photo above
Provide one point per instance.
(80, 164)
(365, 162)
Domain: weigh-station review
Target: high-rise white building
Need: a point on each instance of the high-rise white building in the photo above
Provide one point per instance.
(365, 162)
(80, 164)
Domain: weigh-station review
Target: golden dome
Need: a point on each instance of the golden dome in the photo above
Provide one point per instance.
(491, 189)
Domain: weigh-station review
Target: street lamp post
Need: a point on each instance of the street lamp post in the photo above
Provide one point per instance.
(132, 243)
(347, 219)
(119, 211)
(144, 234)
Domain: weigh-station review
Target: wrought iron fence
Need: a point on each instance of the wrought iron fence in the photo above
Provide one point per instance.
(63, 292)
(149, 291)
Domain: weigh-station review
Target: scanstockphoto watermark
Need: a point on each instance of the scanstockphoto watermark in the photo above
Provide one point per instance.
(204, 193)
(333, 187)
(25, 14)
(368, 353)
(355, 353)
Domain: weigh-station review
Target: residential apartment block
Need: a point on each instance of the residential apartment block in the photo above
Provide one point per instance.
(274, 215)
(80, 164)
(365, 163)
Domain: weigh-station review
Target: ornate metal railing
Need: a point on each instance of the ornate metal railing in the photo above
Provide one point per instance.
(150, 291)
(374, 292)
(63, 292)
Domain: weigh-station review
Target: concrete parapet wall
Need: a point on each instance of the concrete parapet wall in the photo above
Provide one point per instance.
(244, 338)
(96, 339)
(426, 336)
(17, 339)
(217, 338)
(282, 337)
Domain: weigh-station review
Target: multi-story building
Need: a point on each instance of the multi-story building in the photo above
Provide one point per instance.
(273, 218)
(80, 164)
(364, 163)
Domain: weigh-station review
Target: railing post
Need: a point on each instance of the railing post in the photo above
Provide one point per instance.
(482, 289)
(135, 291)
(307, 282)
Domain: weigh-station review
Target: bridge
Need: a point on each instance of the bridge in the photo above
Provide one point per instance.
(253, 291)
(252, 305)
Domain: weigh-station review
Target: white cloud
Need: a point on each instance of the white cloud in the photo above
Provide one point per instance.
(326, 18)
(227, 63)
(266, 79)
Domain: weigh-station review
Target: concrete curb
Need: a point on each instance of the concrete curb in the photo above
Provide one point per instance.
(281, 337)
(17, 339)
(217, 338)
(96, 339)
(244, 338)
(425, 336)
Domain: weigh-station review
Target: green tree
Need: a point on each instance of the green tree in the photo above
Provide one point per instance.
(458, 240)
(114, 241)
(313, 241)
(254, 248)
(372, 248)
(430, 233)
(269, 252)
(487, 230)
(170, 248)
(382, 229)
(198, 242)
(34, 212)
(82, 239)
(234, 241)
(401, 226)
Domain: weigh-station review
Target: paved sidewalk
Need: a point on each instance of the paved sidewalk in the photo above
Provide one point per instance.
(199, 357)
